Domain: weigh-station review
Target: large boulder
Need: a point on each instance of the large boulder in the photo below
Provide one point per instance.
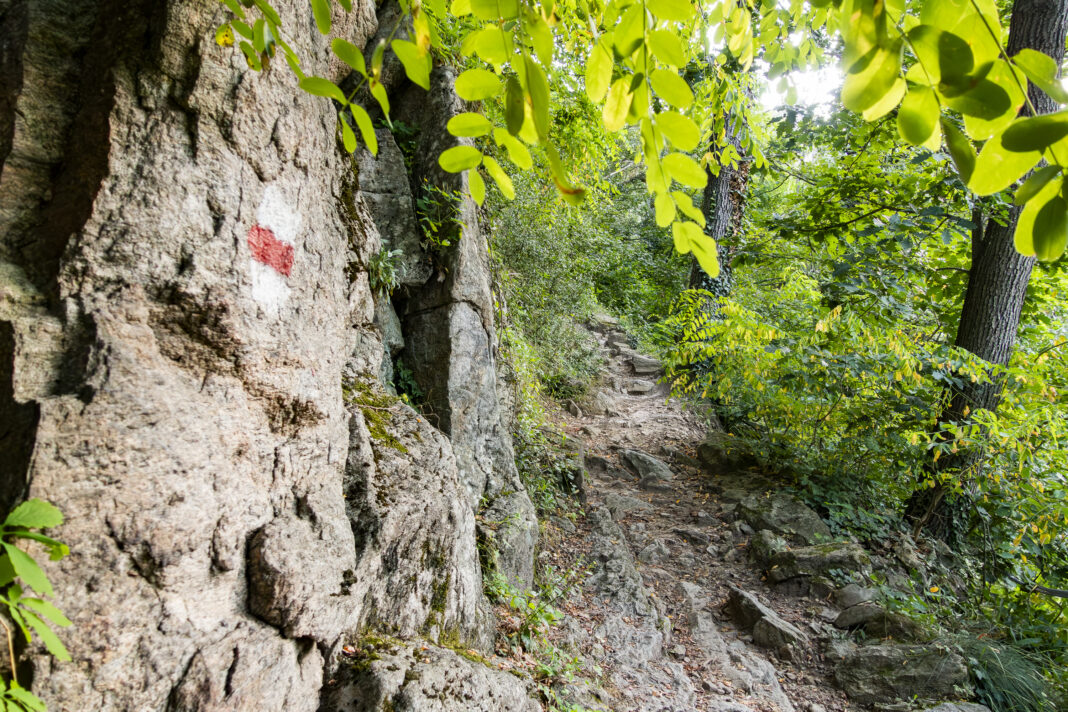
(785, 515)
(881, 673)
(818, 560)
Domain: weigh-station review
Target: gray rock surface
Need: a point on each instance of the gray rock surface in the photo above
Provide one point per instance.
(852, 594)
(638, 386)
(450, 337)
(385, 188)
(646, 465)
(182, 251)
(729, 660)
(880, 673)
(877, 622)
(398, 676)
(619, 505)
(769, 629)
(722, 452)
(958, 707)
(645, 365)
(784, 515)
(819, 560)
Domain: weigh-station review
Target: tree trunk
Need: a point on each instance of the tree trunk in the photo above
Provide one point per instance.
(723, 204)
(997, 285)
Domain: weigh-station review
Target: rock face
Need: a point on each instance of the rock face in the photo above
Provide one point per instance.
(402, 677)
(446, 313)
(880, 673)
(183, 251)
(784, 515)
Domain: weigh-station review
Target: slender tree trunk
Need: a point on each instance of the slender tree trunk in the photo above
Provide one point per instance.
(997, 285)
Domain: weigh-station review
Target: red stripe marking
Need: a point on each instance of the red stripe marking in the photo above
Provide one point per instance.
(269, 250)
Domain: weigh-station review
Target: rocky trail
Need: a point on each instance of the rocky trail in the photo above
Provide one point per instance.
(704, 591)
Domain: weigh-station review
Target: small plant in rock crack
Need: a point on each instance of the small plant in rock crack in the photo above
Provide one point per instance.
(382, 273)
(18, 570)
(438, 210)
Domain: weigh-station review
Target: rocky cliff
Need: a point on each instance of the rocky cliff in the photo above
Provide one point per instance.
(192, 368)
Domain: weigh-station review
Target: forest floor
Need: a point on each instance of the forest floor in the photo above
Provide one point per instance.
(663, 641)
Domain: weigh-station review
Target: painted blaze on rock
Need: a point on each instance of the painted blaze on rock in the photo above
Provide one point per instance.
(269, 250)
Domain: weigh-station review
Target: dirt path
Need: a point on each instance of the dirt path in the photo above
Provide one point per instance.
(664, 547)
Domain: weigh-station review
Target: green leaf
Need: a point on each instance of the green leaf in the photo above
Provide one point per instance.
(674, 10)
(685, 170)
(687, 208)
(469, 124)
(1042, 71)
(367, 129)
(28, 570)
(541, 38)
(323, 87)
(1033, 185)
(514, 111)
(997, 168)
(349, 54)
(538, 87)
(1009, 80)
(918, 115)
(489, 43)
(7, 572)
(348, 138)
(598, 73)
(252, 57)
(985, 100)
(887, 104)
(476, 187)
(686, 235)
(321, 10)
(617, 105)
(1042, 228)
(495, 9)
(960, 150)
(680, 130)
(49, 638)
(34, 514)
(269, 12)
(571, 193)
(872, 77)
(26, 698)
(477, 84)
(459, 8)
(665, 209)
(1036, 133)
(235, 8)
(960, 18)
(503, 181)
(672, 88)
(242, 29)
(46, 609)
(378, 91)
(459, 158)
(417, 63)
(517, 152)
(704, 249)
(667, 48)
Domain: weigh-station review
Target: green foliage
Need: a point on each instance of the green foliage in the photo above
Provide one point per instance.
(382, 271)
(1007, 677)
(19, 572)
(438, 211)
